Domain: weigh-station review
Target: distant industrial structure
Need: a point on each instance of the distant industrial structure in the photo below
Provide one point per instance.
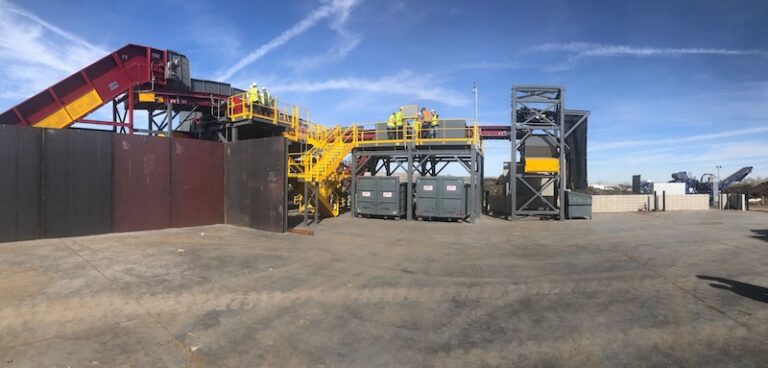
(685, 183)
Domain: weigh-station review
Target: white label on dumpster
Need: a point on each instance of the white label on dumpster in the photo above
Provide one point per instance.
(386, 194)
(450, 188)
(427, 188)
(366, 194)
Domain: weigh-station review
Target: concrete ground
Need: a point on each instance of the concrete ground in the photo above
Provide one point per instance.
(629, 290)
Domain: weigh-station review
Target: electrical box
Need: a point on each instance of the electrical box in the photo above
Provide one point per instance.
(410, 111)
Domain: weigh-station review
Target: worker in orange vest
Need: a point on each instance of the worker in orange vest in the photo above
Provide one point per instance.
(426, 118)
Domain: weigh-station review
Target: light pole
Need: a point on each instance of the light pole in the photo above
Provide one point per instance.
(716, 187)
(474, 92)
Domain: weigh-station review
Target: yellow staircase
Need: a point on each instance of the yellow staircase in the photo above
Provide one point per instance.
(319, 166)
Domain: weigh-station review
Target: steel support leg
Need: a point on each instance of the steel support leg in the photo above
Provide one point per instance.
(317, 204)
(353, 185)
(305, 199)
(409, 189)
(169, 118)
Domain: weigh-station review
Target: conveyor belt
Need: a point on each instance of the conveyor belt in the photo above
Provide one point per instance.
(90, 88)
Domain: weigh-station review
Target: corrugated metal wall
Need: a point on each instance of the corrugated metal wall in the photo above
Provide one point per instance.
(197, 182)
(256, 192)
(56, 183)
(142, 181)
(77, 182)
(20, 180)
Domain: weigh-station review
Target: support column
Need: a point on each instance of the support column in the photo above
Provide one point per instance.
(130, 110)
(472, 195)
(353, 185)
(409, 189)
(317, 204)
(169, 118)
(563, 175)
(305, 199)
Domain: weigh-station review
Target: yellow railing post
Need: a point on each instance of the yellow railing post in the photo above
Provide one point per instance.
(274, 111)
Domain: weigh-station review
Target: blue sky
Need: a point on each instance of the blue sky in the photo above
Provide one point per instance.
(672, 85)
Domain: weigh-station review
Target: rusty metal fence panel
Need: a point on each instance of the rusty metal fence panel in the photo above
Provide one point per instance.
(197, 182)
(77, 182)
(20, 178)
(142, 180)
(256, 191)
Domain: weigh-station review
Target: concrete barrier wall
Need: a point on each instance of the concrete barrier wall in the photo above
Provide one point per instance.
(635, 202)
(620, 203)
(687, 202)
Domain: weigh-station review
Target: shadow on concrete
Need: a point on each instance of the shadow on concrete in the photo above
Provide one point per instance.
(760, 234)
(296, 220)
(753, 292)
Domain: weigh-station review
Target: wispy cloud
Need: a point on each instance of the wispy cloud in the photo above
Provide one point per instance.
(340, 9)
(35, 53)
(348, 42)
(403, 84)
(676, 140)
(585, 49)
(579, 50)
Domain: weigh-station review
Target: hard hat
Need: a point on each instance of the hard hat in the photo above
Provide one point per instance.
(253, 84)
(433, 111)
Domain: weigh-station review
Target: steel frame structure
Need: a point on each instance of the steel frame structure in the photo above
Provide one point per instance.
(422, 160)
(545, 116)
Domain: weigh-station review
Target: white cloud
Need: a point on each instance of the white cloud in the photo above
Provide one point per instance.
(403, 84)
(340, 9)
(579, 50)
(346, 45)
(35, 54)
(585, 49)
(677, 140)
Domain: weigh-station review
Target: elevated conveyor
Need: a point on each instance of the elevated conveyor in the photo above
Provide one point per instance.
(138, 77)
(88, 89)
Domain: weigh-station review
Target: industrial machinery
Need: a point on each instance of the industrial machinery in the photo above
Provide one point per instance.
(548, 156)
(157, 82)
(708, 184)
(132, 78)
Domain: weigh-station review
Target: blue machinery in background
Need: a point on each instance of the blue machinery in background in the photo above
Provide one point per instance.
(707, 182)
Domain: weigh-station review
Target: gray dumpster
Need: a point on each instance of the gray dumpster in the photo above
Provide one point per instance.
(441, 197)
(380, 196)
(578, 205)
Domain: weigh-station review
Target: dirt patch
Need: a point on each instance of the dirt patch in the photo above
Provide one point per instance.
(21, 282)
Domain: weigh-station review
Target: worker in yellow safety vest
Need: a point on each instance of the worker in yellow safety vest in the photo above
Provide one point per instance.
(433, 122)
(416, 127)
(253, 94)
(391, 126)
(399, 123)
